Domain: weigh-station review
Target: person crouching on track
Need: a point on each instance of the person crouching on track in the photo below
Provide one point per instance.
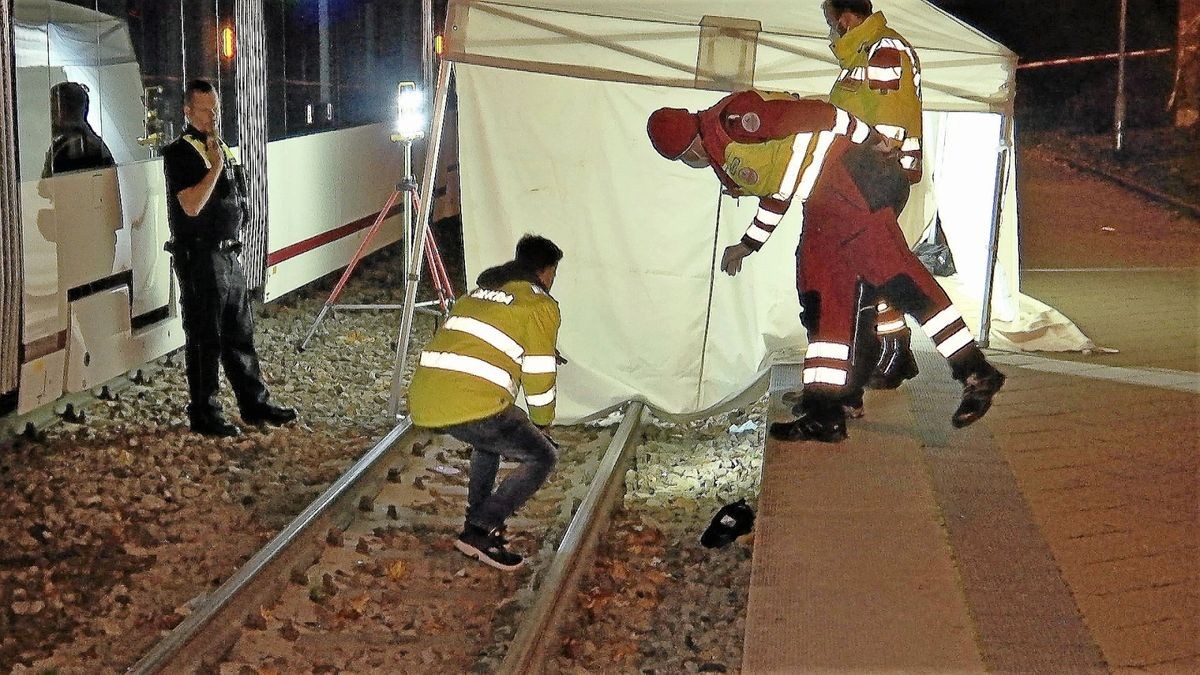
(499, 338)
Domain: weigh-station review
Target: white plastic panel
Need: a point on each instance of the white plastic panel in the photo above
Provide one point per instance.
(41, 381)
(98, 339)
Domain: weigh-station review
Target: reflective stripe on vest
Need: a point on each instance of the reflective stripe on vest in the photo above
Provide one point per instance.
(539, 365)
(470, 365)
(488, 333)
(538, 400)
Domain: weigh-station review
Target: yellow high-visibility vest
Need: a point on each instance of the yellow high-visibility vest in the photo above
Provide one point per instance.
(894, 112)
(494, 343)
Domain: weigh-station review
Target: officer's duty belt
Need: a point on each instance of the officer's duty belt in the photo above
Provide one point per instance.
(222, 246)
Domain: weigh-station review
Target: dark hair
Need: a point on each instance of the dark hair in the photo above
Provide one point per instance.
(536, 253)
(72, 99)
(196, 87)
(860, 7)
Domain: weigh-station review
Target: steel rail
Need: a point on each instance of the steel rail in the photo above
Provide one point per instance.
(210, 629)
(540, 630)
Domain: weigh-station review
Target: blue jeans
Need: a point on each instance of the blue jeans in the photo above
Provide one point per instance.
(510, 435)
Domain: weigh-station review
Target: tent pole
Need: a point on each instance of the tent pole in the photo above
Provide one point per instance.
(989, 281)
(413, 270)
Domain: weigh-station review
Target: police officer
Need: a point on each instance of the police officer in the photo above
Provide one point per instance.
(500, 338)
(206, 207)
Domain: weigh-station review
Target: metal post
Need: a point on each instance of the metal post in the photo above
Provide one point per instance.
(426, 45)
(406, 186)
(422, 226)
(323, 61)
(1119, 122)
(989, 281)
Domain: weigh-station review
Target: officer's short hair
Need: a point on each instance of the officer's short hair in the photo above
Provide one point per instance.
(197, 86)
(860, 7)
(536, 253)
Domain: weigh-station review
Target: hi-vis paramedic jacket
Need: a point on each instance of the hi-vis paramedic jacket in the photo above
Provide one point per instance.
(494, 342)
(773, 146)
(880, 83)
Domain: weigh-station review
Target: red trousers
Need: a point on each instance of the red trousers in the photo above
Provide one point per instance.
(847, 255)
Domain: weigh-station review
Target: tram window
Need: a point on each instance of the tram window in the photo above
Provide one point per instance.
(335, 64)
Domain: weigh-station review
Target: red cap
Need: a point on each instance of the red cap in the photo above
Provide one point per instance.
(672, 130)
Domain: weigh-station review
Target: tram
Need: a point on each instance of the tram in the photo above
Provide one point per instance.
(307, 90)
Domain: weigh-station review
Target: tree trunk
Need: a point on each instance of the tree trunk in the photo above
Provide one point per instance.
(1185, 98)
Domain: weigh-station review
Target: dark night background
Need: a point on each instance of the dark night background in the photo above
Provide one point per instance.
(1081, 96)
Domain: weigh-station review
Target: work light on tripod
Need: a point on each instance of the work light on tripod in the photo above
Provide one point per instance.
(410, 113)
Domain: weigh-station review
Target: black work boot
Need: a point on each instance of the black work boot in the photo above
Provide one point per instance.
(488, 548)
(214, 425)
(852, 405)
(896, 362)
(268, 413)
(978, 389)
(819, 420)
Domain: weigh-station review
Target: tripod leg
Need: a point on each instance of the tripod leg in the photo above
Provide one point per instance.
(354, 260)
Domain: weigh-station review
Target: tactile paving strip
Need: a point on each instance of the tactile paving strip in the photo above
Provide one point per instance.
(1025, 617)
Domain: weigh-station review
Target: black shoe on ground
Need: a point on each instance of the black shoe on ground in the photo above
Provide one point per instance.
(215, 425)
(892, 371)
(808, 428)
(269, 413)
(853, 410)
(978, 390)
(487, 548)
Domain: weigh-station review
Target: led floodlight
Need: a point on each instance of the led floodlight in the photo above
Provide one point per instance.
(410, 113)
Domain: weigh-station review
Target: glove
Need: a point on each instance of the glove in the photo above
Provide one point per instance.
(559, 358)
(731, 260)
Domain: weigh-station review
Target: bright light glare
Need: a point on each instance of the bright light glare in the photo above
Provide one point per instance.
(410, 117)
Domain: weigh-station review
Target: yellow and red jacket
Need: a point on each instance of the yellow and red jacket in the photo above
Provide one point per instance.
(880, 83)
(773, 146)
(493, 343)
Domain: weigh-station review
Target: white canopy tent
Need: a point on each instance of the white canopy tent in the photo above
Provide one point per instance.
(553, 98)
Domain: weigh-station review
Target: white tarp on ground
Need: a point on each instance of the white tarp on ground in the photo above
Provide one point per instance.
(553, 100)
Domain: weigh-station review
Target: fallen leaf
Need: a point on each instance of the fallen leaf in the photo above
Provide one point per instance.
(397, 570)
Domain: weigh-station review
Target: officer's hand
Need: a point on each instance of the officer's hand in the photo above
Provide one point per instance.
(216, 157)
(731, 260)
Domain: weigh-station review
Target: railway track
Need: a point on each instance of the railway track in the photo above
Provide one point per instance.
(366, 578)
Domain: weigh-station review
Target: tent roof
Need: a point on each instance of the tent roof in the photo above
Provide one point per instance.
(663, 43)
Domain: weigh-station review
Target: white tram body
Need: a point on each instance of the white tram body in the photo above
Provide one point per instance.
(97, 296)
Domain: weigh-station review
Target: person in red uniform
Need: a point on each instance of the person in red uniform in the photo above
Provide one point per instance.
(782, 149)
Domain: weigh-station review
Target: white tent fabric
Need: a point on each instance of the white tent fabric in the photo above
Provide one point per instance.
(553, 98)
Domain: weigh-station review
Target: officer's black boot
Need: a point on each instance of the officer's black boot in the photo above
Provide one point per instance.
(896, 361)
(980, 381)
(213, 424)
(822, 419)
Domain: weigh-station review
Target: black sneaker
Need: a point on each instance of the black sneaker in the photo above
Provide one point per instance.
(215, 425)
(487, 548)
(978, 390)
(808, 428)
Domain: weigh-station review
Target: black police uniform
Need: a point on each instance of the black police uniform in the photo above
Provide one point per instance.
(218, 324)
